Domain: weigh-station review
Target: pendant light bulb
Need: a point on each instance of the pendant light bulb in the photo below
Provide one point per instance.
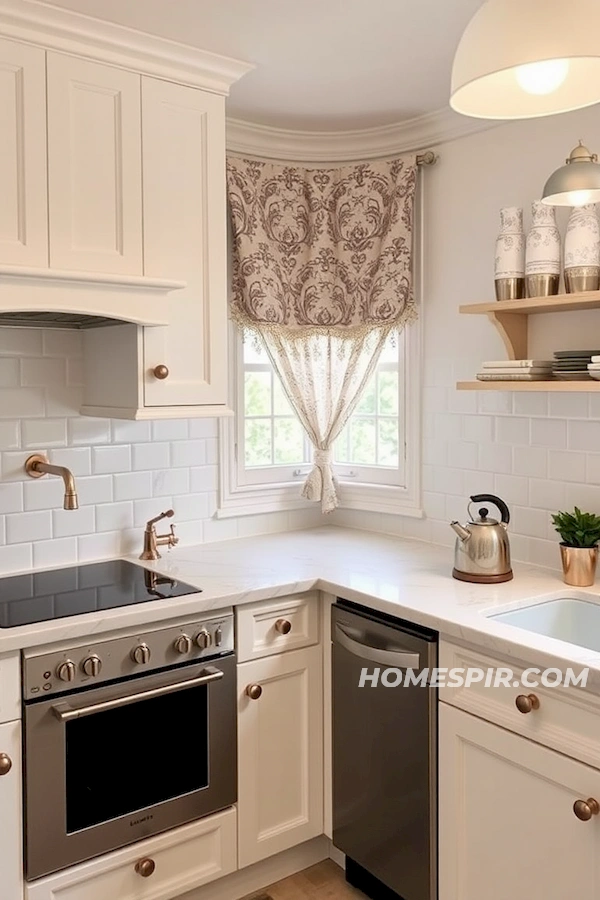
(544, 77)
(579, 198)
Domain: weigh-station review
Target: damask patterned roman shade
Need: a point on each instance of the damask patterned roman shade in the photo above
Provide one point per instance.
(322, 273)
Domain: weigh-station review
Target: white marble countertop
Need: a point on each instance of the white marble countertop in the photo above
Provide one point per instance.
(406, 578)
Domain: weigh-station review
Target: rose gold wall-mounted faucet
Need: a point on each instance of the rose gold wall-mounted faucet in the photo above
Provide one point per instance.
(37, 465)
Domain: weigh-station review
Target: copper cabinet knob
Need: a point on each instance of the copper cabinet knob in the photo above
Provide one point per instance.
(585, 809)
(526, 702)
(5, 763)
(160, 372)
(254, 691)
(283, 626)
(145, 867)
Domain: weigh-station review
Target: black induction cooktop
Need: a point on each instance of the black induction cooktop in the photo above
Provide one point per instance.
(59, 593)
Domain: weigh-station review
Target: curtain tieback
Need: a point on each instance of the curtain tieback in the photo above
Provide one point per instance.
(320, 484)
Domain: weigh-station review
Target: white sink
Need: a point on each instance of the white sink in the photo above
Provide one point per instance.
(566, 618)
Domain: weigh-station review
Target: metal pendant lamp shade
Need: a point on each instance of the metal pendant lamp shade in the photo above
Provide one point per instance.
(519, 59)
(577, 182)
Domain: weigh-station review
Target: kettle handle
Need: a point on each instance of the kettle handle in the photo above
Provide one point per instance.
(490, 498)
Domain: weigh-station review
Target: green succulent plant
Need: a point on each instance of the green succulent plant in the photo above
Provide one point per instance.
(577, 529)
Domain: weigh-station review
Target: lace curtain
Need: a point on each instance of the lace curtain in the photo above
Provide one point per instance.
(321, 276)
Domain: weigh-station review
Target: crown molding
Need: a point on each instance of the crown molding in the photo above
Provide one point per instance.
(96, 39)
(342, 146)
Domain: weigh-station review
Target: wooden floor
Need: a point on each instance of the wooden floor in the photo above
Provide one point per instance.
(325, 881)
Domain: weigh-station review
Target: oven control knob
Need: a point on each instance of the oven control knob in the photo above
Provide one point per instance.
(141, 654)
(203, 639)
(183, 644)
(92, 665)
(66, 671)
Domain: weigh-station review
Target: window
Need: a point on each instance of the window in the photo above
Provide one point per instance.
(266, 454)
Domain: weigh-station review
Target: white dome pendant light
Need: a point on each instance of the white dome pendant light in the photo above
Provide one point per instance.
(576, 183)
(519, 59)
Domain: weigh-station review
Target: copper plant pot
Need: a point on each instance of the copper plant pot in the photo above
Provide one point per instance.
(579, 565)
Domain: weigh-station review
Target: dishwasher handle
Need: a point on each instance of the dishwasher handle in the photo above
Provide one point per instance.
(398, 659)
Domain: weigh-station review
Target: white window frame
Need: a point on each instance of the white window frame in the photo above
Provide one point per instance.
(239, 496)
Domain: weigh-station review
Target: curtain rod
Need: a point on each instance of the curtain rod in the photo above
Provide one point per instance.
(428, 158)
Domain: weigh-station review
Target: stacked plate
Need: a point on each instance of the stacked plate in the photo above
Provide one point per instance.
(572, 365)
(594, 368)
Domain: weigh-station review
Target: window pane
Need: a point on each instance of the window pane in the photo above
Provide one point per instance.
(362, 441)
(281, 404)
(258, 442)
(341, 447)
(388, 393)
(389, 354)
(258, 393)
(388, 442)
(252, 354)
(367, 405)
(289, 441)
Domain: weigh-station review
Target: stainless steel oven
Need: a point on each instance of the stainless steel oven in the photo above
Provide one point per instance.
(126, 738)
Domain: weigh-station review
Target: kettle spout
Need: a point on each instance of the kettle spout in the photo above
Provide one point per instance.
(463, 533)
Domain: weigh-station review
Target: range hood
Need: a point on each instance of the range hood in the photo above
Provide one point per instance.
(50, 298)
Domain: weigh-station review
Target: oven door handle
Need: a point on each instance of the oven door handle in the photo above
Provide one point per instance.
(65, 712)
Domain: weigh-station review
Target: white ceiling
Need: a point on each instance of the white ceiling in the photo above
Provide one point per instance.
(321, 65)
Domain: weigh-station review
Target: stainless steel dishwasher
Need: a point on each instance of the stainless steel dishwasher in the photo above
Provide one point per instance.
(384, 755)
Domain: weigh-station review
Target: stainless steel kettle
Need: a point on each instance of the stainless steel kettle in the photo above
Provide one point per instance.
(482, 552)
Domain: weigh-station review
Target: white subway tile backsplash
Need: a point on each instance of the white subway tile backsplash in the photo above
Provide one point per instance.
(27, 527)
(16, 558)
(44, 433)
(20, 342)
(531, 461)
(63, 401)
(77, 459)
(151, 456)
(493, 402)
(212, 451)
(109, 460)
(62, 342)
(512, 488)
(551, 433)
(584, 436)
(73, 522)
(203, 428)
(88, 431)
(188, 453)
(495, 458)
(512, 430)
(462, 454)
(170, 481)
(9, 372)
(143, 510)
(192, 506)
(478, 428)
(43, 493)
(13, 465)
(170, 430)
(98, 546)
(593, 468)
(132, 486)
(56, 552)
(114, 516)
(20, 403)
(568, 406)
(10, 435)
(586, 496)
(129, 432)
(95, 489)
(564, 465)
(525, 404)
(544, 494)
(11, 497)
(43, 372)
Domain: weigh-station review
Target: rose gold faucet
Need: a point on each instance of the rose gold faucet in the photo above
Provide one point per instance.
(37, 465)
(152, 540)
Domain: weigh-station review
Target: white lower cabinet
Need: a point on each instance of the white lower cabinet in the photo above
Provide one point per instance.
(11, 848)
(184, 858)
(280, 747)
(507, 826)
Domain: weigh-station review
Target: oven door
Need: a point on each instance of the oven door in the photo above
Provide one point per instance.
(106, 767)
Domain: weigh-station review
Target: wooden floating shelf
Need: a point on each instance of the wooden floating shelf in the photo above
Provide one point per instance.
(588, 387)
(511, 319)
(533, 305)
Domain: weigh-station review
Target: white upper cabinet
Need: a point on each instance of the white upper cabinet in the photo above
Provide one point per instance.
(23, 210)
(94, 167)
(183, 158)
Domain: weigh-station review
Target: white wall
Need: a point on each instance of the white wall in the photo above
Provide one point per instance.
(126, 472)
(539, 452)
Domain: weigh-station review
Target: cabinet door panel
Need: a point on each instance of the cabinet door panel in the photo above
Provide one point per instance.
(94, 167)
(23, 211)
(185, 238)
(280, 795)
(11, 851)
(507, 826)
